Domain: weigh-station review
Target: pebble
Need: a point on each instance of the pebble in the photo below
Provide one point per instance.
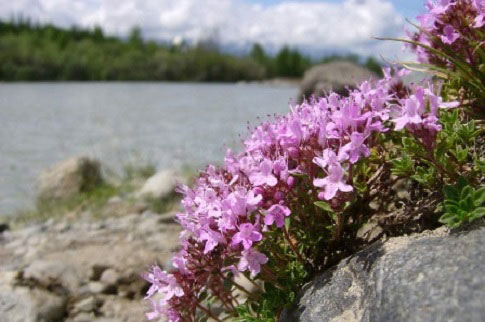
(86, 305)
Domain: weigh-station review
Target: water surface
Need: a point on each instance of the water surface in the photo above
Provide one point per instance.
(168, 124)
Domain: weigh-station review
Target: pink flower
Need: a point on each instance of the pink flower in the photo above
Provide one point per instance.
(251, 260)
(276, 213)
(409, 114)
(247, 234)
(264, 175)
(450, 35)
(159, 308)
(172, 288)
(211, 238)
(355, 148)
(333, 182)
(162, 283)
(328, 157)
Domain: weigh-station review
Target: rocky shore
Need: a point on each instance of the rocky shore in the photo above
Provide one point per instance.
(86, 266)
(83, 271)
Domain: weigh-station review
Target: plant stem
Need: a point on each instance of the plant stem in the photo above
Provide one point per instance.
(208, 312)
(293, 247)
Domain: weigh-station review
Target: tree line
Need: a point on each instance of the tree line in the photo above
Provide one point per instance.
(31, 52)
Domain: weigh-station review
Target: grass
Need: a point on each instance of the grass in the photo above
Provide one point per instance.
(95, 202)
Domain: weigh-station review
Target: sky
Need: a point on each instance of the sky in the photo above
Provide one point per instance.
(316, 27)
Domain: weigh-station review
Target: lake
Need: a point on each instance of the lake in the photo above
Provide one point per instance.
(167, 124)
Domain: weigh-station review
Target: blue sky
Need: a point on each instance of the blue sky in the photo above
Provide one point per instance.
(409, 8)
(316, 27)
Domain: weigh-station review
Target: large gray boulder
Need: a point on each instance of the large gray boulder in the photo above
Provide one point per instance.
(335, 76)
(68, 178)
(428, 277)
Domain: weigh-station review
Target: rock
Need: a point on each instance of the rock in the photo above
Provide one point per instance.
(426, 277)
(96, 287)
(160, 185)
(96, 271)
(124, 310)
(335, 76)
(84, 317)
(4, 227)
(88, 304)
(9, 277)
(110, 277)
(47, 273)
(370, 231)
(86, 258)
(24, 305)
(68, 178)
(402, 188)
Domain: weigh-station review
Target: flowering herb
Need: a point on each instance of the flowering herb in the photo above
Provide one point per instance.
(291, 203)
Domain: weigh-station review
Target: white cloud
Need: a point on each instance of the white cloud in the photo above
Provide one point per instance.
(316, 26)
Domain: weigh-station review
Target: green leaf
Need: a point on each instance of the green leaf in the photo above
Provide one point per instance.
(287, 223)
(479, 197)
(461, 153)
(299, 174)
(466, 192)
(461, 183)
(449, 220)
(403, 165)
(323, 205)
(451, 209)
(477, 213)
(451, 192)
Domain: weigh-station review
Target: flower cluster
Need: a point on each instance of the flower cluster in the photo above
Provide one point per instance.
(450, 24)
(230, 209)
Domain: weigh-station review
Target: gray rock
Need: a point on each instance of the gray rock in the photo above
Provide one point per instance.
(9, 277)
(88, 304)
(110, 277)
(427, 277)
(96, 287)
(48, 272)
(161, 185)
(84, 317)
(68, 178)
(96, 271)
(21, 304)
(4, 227)
(335, 76)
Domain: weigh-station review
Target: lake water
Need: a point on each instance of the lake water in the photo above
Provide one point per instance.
(167, 124)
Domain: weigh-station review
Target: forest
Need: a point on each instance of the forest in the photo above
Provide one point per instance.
(44, 52)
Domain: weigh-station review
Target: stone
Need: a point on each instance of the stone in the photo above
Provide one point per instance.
(50, 272)
(68, 178)
(96, 271)
(96, 287)
(84, 317)
(433, 276)
(335, 76)
(64, 265)
(9, 277)
(124, 310)
(20, 304)
(370, 231)
(109, 277)
(4, 227)
(88, 304)
(160, 185)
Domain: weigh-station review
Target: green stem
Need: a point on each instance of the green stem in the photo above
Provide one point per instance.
(293, 247)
